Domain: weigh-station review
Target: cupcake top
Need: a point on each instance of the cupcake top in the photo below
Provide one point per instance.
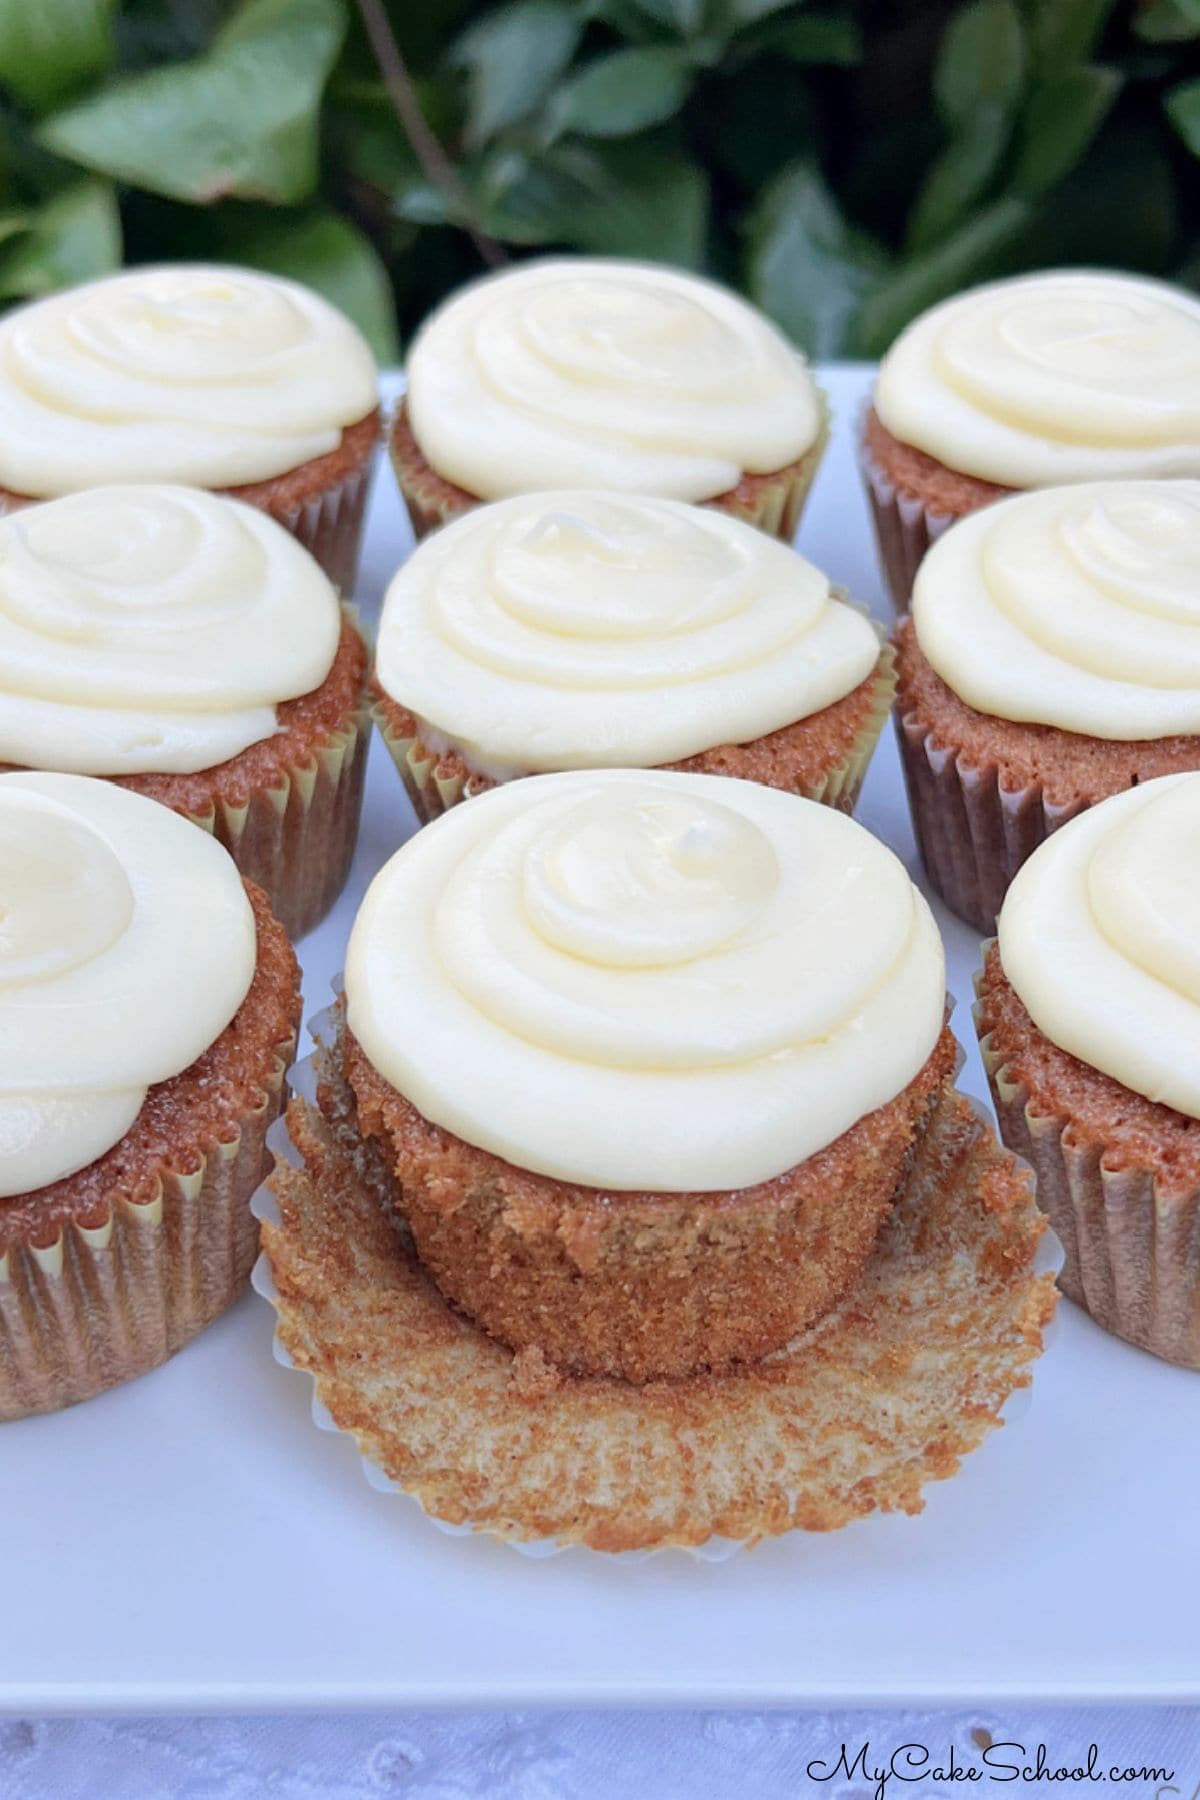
(659, 982)
(153, 629)
(1100, 939)
(127, 944)
(1072, 376)
(590, 373)
(1077, 607)
(581, 629)
(191, 373)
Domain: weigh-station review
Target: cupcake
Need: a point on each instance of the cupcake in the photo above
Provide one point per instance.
(184, 645)
(148, 1010)
(1052, 658)
(1089, 1023)
(214, 377)
(1073, 376)
(640, 1079)
(584, 372)
(588, 630)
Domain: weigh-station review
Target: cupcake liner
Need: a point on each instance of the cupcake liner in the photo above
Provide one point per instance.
(772, 502)
(1131, 1253)
(887, 1392)
(904, 526)
(330, 526)
(100, 1305)
(973, 834)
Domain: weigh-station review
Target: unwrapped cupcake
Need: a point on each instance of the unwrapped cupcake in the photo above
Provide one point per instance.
(149, 1003)
(589, 630)
(214, 377)
(1089, 1023)
(584, 372)
(1071, 376)
(186, 646)
(1052, 658)
(639, 1205)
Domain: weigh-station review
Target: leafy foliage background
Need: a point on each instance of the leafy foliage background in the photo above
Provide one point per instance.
(845, 164)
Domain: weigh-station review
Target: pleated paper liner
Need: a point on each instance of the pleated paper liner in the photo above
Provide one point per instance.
(889, 1391)
(101, 1305)
(1131, 1253)
(904, 526)
(434, 789)
(330, 526)
(772, 502)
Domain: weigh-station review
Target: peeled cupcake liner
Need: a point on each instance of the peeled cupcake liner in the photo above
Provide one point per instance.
(904, 526)
(945, 1440)
(99, 1305)
(1131, 1252)
(774, 506)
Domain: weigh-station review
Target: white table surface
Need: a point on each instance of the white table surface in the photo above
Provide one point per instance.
(191, 1544)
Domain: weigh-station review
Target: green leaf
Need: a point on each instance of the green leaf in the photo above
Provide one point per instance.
(959, 177)
(1183, 110)
(981, 60)
(687, 17)
(1062, 32)
(976, 252)
(654, 205)
(1060, 120)
(1167, 21)
(513, 58)
(327, 253)
(48, 48)
(74, 237)
(239, 120)
(735, 15)
(815, 38)
(622, 93)
(805, 265)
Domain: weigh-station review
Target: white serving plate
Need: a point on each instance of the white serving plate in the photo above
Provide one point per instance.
(191, 1542)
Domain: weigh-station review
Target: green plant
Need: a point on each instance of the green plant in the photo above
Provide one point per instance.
(846, 162)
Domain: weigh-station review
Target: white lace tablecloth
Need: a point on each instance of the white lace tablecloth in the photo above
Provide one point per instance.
(597, 1755)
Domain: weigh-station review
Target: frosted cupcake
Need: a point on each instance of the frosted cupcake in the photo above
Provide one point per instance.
(1072, 376)
(1089, 1022)
(653, 1071)
(214, 377)
(586, 630)
(1052, 659)
(585, 372)
(148, 1010)
(186, 646)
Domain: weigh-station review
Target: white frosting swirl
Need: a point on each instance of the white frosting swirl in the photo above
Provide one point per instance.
(589, 373)
(1100, 938)
(192, 373)
(587, 630)
(1076, 606)
(145, 629)
(1072, 376)
(641, 981)
(127, 944)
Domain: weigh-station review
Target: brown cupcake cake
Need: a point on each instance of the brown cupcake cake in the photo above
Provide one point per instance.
(186, 646)
(585, 372)
(1089, 1023)
(1052, 658)
(149, 1003)
(215, 377)
(1071, 376)
(581, 629)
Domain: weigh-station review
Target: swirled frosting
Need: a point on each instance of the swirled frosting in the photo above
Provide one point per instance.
(1100, 938)
(1072, 376)
(657, 981)
(145, 629)
(583, 630)
(127, 944)
(589, 373)
(1075, 606)
(192, 373)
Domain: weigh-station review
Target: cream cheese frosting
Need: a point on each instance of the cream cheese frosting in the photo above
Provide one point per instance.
(659, 981)
(1100, 938)
(193, 373)
(151, 629)
(581, 629)
(127, 944)
(1077, 607)
(591, 373)
(1068, 376)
